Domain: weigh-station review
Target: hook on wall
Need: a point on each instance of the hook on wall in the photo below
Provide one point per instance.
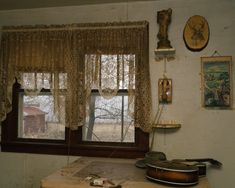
(216, 53)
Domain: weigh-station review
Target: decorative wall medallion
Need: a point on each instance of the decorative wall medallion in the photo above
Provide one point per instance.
(196, 33)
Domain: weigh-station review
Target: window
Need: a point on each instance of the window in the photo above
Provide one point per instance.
(99, 80)
(109, 120)
(125, 141)
(36, 117)
(109, 129)
(109, 117)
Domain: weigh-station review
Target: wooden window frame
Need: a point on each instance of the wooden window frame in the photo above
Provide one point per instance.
(73, 143)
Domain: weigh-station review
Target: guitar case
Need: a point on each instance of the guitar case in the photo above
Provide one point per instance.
(150, 157)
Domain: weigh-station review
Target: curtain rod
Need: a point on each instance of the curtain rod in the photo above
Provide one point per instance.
(70, 28)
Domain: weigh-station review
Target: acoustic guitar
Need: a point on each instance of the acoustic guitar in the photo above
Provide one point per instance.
(179, 171)
(172, 172)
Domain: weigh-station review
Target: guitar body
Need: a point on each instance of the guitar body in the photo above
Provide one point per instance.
(173, 173)
(201, 166)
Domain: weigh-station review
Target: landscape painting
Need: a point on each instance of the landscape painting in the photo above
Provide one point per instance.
(216, 82)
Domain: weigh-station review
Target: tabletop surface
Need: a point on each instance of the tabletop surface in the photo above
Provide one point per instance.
(119, 171)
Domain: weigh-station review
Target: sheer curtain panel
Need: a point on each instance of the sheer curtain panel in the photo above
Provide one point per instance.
(71, 60)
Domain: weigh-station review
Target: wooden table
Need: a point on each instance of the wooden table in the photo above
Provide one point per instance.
(121, 171)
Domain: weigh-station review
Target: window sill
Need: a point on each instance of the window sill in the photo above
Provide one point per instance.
(87, 149)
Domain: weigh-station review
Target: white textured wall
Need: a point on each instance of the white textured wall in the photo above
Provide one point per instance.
(26, 170)
(204, 133)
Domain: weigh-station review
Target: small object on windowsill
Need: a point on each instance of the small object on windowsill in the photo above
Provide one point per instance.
(167, 124)
(164, 53)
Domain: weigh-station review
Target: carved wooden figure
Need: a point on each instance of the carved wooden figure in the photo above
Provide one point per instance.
(163, 19)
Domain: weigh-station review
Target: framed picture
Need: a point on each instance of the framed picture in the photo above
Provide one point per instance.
(165, 90)
(216, 82)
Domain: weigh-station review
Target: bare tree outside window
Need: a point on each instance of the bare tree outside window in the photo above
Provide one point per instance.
(109, 120)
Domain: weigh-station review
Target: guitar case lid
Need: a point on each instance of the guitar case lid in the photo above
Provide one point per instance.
(150, 157)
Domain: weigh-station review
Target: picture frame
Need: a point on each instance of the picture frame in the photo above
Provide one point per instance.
(165, 90)
(216, 79)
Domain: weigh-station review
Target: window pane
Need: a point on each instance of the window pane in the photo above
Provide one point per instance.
(109, 120)
(38, 81)
(110, 71)
(37, 118)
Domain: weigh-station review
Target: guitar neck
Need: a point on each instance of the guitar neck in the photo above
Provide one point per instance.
(200, 160)
(212, 161)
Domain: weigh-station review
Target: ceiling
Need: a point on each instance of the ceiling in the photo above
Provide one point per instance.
(29, 4)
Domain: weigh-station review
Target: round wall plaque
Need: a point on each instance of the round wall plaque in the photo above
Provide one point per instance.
(196, 33)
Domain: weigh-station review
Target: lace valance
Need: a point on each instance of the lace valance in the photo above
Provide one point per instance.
(76, 58)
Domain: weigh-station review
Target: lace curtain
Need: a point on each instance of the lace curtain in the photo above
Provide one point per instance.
(70, 60)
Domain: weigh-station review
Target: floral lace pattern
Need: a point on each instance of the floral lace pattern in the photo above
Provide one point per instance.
(75, 59)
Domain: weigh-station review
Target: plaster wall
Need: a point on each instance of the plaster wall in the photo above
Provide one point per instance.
(204, 133)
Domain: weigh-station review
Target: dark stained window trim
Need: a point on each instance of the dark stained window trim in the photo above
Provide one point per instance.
(72, 145)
